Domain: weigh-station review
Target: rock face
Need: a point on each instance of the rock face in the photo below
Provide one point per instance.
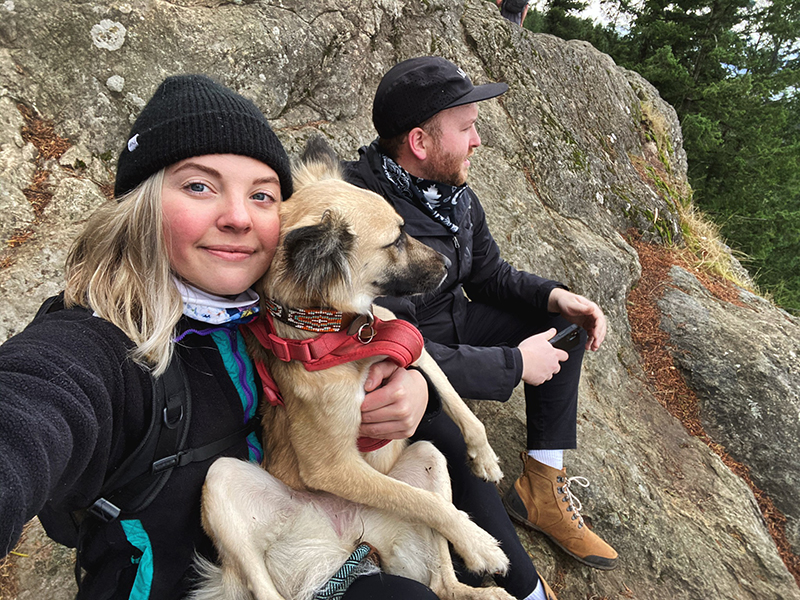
(742, 361)
(578, 152)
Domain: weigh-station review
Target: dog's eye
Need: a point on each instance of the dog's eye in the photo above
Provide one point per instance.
(400, 242)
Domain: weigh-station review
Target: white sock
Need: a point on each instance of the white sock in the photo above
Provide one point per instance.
(538, 593)
(551, 458)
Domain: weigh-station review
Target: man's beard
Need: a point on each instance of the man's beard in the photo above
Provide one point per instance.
(446, 167)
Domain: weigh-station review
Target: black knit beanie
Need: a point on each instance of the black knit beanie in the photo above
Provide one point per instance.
(192, 115)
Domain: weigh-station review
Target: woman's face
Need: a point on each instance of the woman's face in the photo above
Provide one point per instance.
(221, 220)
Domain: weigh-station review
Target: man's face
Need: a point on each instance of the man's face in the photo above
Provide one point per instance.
(454, 139)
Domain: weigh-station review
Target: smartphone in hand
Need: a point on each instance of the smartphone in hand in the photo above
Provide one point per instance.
(567, 339)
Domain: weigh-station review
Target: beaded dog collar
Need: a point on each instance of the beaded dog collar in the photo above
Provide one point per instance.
(308, 319)
(321, 320)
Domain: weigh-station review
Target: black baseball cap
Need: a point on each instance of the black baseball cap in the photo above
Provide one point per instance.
(418, 88)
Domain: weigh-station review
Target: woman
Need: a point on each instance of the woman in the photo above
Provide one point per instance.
(166, 272)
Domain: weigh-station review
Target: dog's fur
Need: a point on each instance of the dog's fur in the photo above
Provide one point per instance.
(284, 533)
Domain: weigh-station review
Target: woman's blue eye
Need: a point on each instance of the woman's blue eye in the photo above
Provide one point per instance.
(262, 197)
(197, 187)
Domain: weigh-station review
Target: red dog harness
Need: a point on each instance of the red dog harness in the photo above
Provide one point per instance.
(398, 340)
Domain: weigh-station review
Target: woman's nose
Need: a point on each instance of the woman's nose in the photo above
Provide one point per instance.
(235, 215)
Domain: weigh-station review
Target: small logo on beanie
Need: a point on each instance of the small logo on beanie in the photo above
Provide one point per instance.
(133, 143)
(461, 72)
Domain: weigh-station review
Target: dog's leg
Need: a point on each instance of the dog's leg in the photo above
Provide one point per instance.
(484, 460)
(409, 549)
(338, 468)
(435, 478)
(237, 514)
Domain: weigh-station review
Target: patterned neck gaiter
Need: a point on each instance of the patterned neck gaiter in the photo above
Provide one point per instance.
(437, 199)
(205, 307)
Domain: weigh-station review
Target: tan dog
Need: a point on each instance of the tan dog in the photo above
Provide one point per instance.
(340, 248)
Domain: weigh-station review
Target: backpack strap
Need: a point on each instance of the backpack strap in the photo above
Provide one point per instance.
(52, 304)
(136, 483)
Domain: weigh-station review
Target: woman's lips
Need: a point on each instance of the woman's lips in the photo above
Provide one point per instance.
(232, 253)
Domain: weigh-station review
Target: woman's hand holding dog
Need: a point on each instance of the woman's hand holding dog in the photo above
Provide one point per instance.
(395, 403)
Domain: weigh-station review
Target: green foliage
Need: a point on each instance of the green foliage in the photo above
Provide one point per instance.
(560, 21)
(664, 70)
(731, 69)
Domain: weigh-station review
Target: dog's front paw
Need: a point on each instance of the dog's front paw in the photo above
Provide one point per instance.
(484, 554)
(492, 593)
(461, 591)
(485, 463)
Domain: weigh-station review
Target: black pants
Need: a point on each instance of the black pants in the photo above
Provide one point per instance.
(481, 501)
(387, 587)
(551, 407)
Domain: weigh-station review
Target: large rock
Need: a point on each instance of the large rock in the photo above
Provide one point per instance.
(578, 152)
(743, 362)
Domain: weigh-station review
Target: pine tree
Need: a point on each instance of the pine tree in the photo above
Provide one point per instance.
(731, 69)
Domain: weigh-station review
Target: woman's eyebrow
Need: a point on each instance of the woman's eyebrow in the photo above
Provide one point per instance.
(268, 179)
(214, 173)
(193, 165)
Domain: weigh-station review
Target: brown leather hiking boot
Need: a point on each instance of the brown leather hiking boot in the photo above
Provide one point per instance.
(541, 499)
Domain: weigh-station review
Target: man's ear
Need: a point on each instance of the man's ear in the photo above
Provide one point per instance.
(419, 143)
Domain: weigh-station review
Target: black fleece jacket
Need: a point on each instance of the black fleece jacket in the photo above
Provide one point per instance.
(477, 269)
(72, 407)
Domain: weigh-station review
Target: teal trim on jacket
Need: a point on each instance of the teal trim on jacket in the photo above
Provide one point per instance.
(241, 370)
(138, 538)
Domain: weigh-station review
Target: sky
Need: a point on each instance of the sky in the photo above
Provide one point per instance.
(593, 11)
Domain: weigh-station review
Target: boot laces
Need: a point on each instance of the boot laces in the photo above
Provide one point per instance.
(574, 504)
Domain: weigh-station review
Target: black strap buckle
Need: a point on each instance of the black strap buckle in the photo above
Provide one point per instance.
(104, 510)
(168, 462)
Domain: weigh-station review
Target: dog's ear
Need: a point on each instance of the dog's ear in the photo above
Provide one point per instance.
(317, 163)
(318, 255)
(319, 151)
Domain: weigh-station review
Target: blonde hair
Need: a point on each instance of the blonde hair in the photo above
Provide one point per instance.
(119, 268)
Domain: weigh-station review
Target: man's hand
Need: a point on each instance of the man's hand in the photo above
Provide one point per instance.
(581, 311)
(395, 402)
(540, 361)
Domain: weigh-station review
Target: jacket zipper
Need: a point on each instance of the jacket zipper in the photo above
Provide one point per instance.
(457, 247)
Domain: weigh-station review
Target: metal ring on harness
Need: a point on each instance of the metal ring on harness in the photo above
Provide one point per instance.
(368, 337)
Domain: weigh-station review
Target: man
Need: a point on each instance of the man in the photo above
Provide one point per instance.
(488, 324)
(513, 10)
